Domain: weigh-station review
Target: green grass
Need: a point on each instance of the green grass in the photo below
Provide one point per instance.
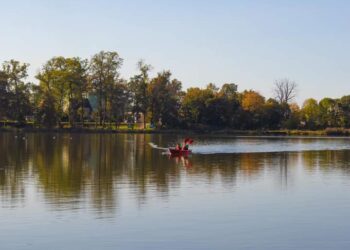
(123, 127)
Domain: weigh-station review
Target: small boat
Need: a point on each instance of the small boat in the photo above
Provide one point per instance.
(179, 152)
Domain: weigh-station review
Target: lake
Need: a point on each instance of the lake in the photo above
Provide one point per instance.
(115, 191)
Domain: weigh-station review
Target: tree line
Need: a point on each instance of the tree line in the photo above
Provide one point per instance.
(66, 86)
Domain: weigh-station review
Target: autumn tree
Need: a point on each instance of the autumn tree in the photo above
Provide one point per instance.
(253, 106)
(252, 101)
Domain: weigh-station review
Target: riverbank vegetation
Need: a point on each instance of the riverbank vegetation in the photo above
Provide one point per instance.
(91, 93)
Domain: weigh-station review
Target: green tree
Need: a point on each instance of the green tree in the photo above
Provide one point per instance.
(4, 95)
(221, 107)
(229, 91)
(76, 78)
(47, 114)
(231, 111)
(273, 114)
(294, 119)
(54, 85)
(165, 95)
(217, 110)
(344, 111)
(211, 106)
(194, 107)
(63, 82)
(104, 73)
(311, 113)
(138, 86)
(329, 112)
(120, 98)
(16, 90)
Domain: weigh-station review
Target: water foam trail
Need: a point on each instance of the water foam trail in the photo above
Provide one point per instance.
(269, 148)
(266, 145)
(156, 146)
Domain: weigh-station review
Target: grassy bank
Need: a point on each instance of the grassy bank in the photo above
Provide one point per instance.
(325, 132)
(285, 132)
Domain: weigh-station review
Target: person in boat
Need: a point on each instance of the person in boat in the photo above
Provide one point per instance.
(186, 143)
(178, 147)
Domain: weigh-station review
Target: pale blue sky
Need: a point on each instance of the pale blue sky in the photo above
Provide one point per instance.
(250, 43)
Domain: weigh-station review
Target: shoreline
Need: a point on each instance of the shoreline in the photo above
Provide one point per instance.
(324, 132)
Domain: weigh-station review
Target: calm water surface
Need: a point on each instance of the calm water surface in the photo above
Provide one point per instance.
(75, 191)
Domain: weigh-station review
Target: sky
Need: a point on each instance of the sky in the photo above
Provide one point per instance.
(250, 43)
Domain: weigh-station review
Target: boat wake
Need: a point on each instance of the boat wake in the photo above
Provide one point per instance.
(238, 149)
(156, 146)
(265, 146)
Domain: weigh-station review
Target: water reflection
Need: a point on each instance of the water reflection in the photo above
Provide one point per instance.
(184, 161)
(94, 170)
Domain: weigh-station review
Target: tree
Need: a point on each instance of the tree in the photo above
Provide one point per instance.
(252, 101)
(193, 106)
(253, 110)
(46, 112)
(293, 121)
(119, 101)
(229, 90)
(211, 106)
(221, 108)
(311, 113)
(76, 77)
(138, 86)
(212, 87)
(13, 74)
(272, 114)
(165, 97)
(104, 73)
(54, 85)
(285, 90)
(217, 110)
(329, 112)
(64, 83)
(4, 95)
(343, 111)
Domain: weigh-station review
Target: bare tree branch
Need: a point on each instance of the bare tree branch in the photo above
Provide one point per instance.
(285, 90)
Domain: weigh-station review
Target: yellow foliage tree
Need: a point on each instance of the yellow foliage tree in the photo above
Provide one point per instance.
(252, 101)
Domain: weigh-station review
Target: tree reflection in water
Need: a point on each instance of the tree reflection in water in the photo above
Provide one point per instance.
(71, 171)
